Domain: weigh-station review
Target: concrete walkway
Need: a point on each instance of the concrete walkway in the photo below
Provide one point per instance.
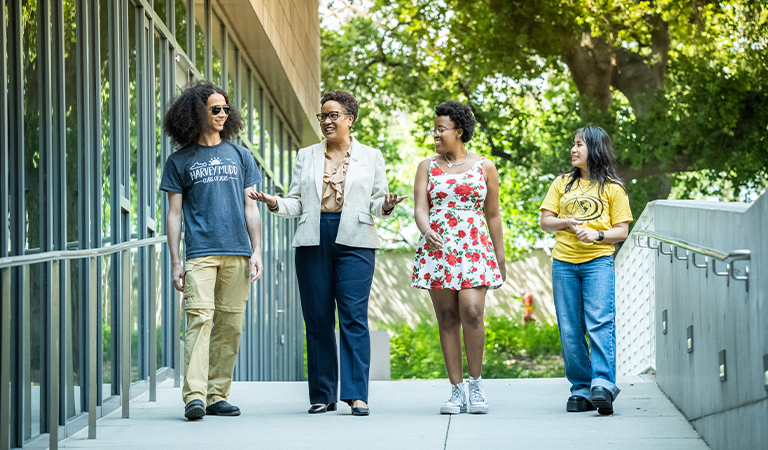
(525, 414)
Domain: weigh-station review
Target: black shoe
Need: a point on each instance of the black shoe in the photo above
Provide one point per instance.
(359, 410)
(320, 408)
(194, 410)
(222, 408)
(603, 400)
(577, 403)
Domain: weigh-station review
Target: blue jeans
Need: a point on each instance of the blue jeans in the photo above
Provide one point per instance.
(585, 303)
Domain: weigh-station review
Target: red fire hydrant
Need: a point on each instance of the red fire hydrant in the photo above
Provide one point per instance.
(528, 302)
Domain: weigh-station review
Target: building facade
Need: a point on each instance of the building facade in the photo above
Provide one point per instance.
(86, 83)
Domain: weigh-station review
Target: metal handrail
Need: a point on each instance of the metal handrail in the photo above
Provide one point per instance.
(61, 255)
(55, 258)
(695, 249)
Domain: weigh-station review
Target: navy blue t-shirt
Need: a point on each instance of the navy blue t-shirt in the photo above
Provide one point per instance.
(212, 180)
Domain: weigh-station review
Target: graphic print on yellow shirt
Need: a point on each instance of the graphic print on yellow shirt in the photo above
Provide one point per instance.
(597, 212)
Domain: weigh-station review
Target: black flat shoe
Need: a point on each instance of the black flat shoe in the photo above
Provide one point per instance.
(194, 410)
(321, 408)
(222, 408)
(603, 400)
(577, 403)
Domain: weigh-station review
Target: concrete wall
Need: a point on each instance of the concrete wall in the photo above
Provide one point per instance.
(283, 38)
(724, 316)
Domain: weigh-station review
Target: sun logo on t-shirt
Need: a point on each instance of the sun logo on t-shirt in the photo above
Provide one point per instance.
(215, 161)
(584, 208)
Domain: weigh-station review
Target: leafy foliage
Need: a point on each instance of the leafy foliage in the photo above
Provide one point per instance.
(681, 86)
(512, 350)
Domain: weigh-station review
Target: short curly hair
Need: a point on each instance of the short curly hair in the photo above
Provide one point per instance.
(187, 115)
(345, 99)
(461, 115)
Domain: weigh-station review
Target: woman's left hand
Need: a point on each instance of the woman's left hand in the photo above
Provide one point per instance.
(390, 201)
(587, 235)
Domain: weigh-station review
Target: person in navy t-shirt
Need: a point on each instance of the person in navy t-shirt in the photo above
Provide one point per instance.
(207, 180)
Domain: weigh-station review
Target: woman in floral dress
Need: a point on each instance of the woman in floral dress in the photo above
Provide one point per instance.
(461, 252)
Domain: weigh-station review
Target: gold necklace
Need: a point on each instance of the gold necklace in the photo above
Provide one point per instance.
(589, 187)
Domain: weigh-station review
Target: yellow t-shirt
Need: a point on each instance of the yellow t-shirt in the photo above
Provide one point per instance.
(583, 203)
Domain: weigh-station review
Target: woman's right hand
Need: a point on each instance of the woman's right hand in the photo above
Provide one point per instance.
(263, 197)
(434, 241)
(573, 224)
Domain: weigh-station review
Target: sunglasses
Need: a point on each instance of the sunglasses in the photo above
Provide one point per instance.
(216, 110)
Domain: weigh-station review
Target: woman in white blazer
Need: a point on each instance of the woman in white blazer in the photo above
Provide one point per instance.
(338, 186)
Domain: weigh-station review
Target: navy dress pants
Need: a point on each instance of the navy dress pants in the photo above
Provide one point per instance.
(335, 276)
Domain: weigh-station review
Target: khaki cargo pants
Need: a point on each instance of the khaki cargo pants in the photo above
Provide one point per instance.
(215, 293)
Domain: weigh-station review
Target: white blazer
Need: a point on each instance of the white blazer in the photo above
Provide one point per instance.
(364, 190)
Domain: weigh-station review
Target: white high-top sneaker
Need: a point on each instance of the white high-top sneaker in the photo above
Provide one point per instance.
(457, 403)
(477, 402)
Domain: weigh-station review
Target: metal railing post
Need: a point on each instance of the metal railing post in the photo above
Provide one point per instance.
(53, 355)
(125, 333)
(93, 333)
(5, 364)
(152, 333)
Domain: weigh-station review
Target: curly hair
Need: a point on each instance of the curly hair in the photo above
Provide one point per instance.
(461, 115)
(187, 115)
(345, 99)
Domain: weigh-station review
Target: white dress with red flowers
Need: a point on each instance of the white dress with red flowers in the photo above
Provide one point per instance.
(467, 259)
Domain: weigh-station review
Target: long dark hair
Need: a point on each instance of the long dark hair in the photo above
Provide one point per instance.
(601, 161)
(187, 115)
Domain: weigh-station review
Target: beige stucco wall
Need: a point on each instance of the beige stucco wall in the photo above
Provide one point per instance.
(394, 301)
(293, 27)
(282, 39)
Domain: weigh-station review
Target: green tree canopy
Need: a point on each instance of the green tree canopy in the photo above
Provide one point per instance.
(681, 86)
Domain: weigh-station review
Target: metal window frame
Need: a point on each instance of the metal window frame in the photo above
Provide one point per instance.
(263, 359)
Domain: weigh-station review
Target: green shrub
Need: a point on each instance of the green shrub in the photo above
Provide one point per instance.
(512, 350)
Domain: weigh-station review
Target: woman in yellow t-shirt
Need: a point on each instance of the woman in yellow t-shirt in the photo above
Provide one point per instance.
(588, 209)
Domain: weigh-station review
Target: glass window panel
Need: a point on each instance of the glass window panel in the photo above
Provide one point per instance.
(134, 320)
(134, 115)
(245, 79)
(256, 140)
(265, 152)
(33, 307)
(200, 36)
(160, 9)
(106, 326)
(159, 108)
(217, 43)
(232, 68)
(106, 141)
(30, 75)
(180, 19)
(157, 297)
(106, 193)
(34, 350)
(281, 152)
(74, 331)
(75, 334)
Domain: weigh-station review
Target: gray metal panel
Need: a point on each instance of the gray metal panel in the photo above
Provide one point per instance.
(730, 413)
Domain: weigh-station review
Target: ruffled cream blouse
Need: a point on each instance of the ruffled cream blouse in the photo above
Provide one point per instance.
(333, 184)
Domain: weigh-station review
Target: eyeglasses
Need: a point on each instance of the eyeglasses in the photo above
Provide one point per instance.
(333, 115)
(216, 110)
(438, 131)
